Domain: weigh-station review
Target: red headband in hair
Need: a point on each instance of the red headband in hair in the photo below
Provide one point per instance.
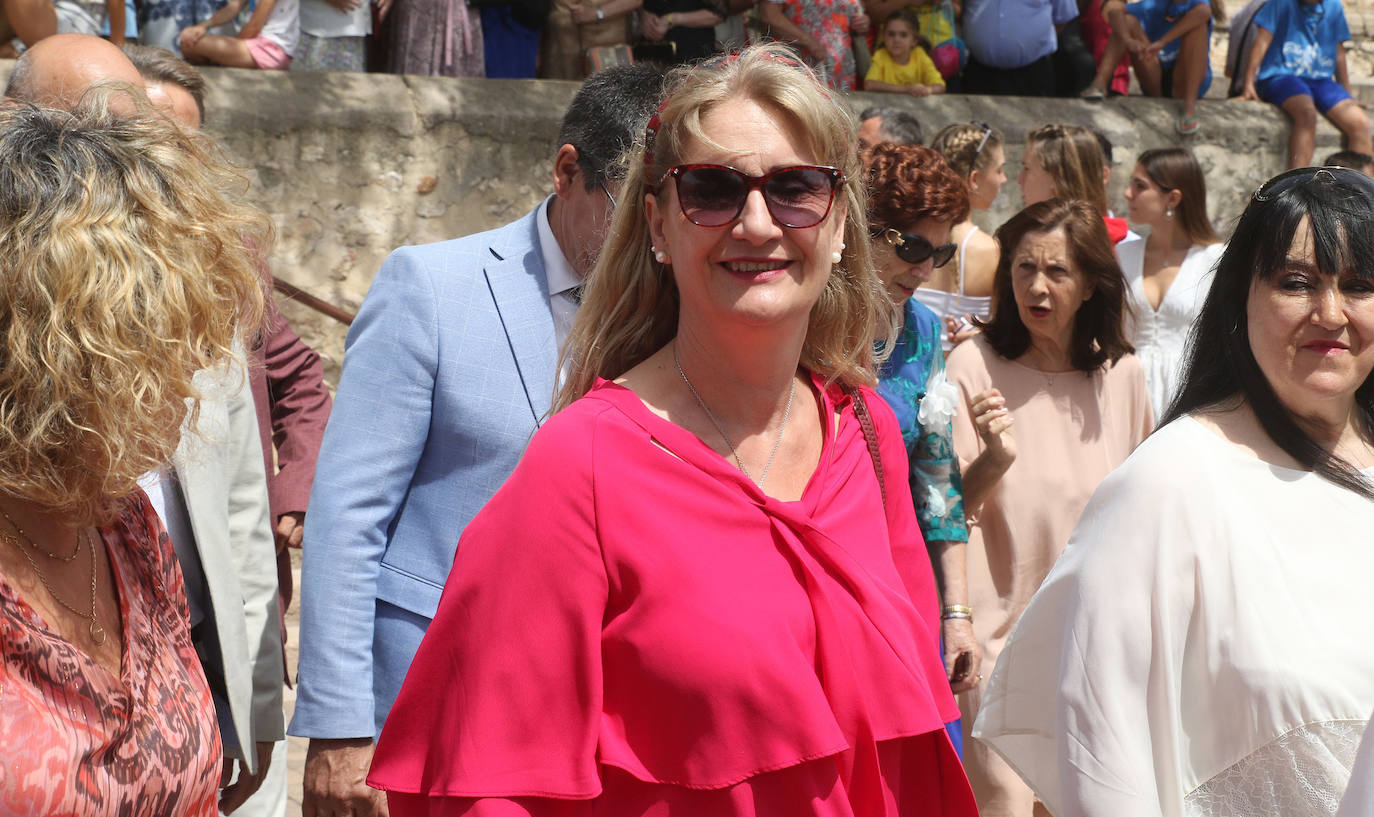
(651, 129)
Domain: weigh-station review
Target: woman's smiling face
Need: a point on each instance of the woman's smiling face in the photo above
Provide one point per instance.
(752, 269)
(1312, 334)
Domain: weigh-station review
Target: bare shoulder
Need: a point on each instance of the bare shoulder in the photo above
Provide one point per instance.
(980, 264)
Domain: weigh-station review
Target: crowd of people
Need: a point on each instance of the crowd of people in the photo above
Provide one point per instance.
(744, 475)
(1291, 53)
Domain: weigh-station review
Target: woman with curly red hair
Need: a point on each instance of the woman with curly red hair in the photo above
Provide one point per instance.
(914, 201)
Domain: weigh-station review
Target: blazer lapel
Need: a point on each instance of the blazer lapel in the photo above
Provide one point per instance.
(520, 290)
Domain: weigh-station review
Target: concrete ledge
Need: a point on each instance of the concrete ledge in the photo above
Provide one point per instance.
(351, 166)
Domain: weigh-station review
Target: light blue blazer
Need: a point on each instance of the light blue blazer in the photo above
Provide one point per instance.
(448, 369)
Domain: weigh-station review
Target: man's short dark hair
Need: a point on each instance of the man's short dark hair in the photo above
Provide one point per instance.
(22, 82)
(1352, 159)
(162, 66)
(1104, 143)
(898, 125)
(607, 115)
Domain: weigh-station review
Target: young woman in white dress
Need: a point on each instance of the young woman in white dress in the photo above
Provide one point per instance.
(963, 291)
(1202, 645)
(1168, 274)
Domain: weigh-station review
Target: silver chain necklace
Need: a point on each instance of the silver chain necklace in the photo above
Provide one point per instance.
(787, 412)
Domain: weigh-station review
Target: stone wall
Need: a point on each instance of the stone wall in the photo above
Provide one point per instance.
(351, 166)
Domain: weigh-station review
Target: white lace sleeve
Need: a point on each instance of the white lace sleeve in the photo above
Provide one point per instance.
(1302, 773)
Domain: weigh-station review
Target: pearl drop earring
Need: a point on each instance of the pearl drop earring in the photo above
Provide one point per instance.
(836, 257)
(1168, 212)
(661, 257)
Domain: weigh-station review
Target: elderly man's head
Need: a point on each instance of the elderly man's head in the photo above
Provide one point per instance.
(879, 124)
(172, 83)
(59, 69)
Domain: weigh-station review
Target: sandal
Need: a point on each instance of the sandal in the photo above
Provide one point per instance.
(1187, 125)
(1092, 94)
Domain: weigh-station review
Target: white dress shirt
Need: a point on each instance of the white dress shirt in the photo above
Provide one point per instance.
(562, 278)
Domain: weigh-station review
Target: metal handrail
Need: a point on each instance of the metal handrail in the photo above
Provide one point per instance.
(320, 305)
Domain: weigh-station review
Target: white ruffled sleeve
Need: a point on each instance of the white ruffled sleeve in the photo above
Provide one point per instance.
(1085, 702)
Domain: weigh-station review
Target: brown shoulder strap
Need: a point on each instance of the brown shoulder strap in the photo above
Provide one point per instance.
(870, 436)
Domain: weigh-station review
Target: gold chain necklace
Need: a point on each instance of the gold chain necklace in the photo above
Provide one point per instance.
(787, 412)
(75, 552)
(96, 632)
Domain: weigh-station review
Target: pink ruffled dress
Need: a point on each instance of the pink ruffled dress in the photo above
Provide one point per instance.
(632, 627)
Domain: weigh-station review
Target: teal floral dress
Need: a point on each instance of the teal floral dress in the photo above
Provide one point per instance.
(912, 381)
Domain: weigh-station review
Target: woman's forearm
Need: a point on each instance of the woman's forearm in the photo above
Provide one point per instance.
(701, 18)
(949, 559)
(981, 476)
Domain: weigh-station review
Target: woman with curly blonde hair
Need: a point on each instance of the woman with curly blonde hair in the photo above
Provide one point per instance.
(723, 604)
(124, 270)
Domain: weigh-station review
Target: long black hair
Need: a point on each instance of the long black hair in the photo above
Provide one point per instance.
(1339, 207)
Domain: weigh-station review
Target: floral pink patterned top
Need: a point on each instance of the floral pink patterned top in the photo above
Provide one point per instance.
(76, 740)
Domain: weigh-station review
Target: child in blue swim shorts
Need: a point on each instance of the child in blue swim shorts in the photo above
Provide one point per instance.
(1298, 63)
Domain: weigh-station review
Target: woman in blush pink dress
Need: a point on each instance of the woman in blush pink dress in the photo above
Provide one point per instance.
(123, 271)
(1053, 400)
(704, 590)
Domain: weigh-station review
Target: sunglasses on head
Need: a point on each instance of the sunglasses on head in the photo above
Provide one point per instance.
(987, 131)
(1284, 182)
(914, 249)
(714, 195)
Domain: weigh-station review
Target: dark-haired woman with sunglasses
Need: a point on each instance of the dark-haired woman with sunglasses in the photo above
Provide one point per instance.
(914, 200)
(1202, 645)
(1054, 364)
(703, 591)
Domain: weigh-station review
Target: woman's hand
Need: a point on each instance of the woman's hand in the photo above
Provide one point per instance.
(994, 422)
(583, 13)
(654, 26)
(960, 329)
(859, 23)
(963, 656)
(192, 34)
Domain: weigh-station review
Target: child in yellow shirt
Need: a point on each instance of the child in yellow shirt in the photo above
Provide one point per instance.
(902, 66)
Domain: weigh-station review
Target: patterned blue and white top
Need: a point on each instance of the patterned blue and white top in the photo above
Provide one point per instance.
(912, 381)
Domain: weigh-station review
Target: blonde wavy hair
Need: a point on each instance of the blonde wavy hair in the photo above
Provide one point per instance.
(630, 304)
(128, 262)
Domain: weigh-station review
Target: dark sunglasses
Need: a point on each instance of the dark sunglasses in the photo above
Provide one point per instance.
(714, 195)
(914, 249)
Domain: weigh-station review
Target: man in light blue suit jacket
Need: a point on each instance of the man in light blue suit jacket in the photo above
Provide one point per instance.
(450, 367)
